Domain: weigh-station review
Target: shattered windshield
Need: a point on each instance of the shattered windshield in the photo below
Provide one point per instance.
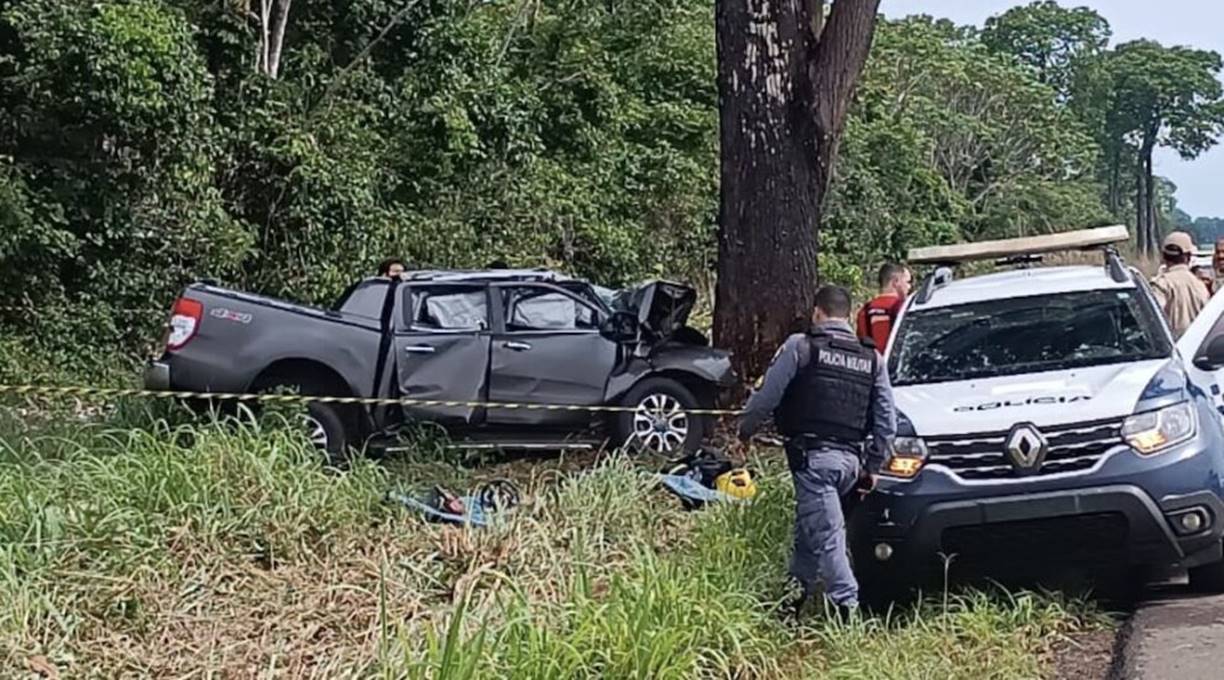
(1026, 335)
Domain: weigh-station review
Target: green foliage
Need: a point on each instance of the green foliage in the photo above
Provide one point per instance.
(1049, 39)
(1205, 229)
(141, 149)
(1168, 96)
(951, 141)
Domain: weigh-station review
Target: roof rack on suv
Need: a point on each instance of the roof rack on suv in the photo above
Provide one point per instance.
(1021, 251)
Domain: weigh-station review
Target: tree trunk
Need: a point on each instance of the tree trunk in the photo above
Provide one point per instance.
(1149, 180)
(1115, 180)
(1145, 195)
(280, 19)
(273, 18)
(785, 82)
(1142, 233)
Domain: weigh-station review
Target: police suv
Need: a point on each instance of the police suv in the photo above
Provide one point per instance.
(1047, 417)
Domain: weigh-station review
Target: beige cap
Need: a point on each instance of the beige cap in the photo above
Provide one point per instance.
(1178, 243)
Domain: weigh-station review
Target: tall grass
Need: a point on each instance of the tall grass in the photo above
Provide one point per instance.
(705, 610)
(171, 550)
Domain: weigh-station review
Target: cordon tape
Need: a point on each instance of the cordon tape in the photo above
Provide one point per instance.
(120, 392)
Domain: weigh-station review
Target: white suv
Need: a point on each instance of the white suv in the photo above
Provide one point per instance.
(1047, 417)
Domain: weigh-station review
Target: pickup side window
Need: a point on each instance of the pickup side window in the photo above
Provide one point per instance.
(538, 308)
(448, 308)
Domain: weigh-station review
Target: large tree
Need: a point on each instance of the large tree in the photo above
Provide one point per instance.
(1048, 39)
(1160, 96)
(786, 76)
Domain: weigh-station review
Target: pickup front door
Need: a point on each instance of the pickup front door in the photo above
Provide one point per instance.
(442, 351)
(547, 349)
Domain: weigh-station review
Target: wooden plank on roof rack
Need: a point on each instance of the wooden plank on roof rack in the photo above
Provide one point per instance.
(1029, 245)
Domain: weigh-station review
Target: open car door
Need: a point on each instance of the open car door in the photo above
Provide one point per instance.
(442, 350)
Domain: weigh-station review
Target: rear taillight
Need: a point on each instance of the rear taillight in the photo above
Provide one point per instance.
(184, 322)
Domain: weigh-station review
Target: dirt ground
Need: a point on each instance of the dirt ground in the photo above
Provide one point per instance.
(1084, 656)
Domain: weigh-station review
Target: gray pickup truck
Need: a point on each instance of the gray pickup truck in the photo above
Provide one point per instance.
(502, 336)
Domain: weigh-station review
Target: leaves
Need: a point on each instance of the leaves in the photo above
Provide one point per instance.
(141, 148)
(950, 141)
(145, 149)
(1049, 39)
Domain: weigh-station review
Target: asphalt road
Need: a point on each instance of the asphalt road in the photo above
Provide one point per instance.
(1175, 634)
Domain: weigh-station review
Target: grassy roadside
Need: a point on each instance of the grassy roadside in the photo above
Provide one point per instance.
(172, 552)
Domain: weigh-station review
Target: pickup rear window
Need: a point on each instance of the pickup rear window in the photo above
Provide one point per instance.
(366, 299)
(1026, 335)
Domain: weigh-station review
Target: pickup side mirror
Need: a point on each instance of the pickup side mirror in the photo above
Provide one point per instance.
(1211, 358)
(620, 327)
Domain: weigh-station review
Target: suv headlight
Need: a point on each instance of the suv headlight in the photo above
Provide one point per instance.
(1155, 431)
(908, 456)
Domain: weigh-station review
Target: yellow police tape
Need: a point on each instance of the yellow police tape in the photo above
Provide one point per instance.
(118, 392)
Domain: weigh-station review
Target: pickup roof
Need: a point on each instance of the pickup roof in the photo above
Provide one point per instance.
(505, 336)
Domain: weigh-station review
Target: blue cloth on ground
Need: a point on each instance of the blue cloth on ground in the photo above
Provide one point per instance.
(473, 511)
(691, 489)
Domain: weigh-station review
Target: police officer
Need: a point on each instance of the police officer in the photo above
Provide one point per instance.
(827, 391)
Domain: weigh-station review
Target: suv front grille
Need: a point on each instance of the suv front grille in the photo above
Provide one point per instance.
(1072, 448)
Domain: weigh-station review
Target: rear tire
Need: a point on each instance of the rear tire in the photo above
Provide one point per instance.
(328, 432)
(331, 428)
(660, 422)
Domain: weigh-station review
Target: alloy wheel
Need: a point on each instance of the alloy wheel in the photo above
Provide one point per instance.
(660, 423)
(315, 432)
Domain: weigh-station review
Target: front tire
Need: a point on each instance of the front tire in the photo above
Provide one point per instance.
(661, 421)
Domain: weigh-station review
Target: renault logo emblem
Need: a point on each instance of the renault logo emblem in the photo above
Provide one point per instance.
(1026, 447)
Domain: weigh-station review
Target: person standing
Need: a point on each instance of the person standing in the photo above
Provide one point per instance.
(1203, 273)
(1178, 292)
(827, 391)
(876, 318)
(1217, 263)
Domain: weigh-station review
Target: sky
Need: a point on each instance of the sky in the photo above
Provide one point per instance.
(1196, 23)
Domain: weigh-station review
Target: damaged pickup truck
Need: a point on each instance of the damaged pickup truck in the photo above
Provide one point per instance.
(527, 337)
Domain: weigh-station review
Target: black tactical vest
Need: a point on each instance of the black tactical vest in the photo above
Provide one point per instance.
(830, 397)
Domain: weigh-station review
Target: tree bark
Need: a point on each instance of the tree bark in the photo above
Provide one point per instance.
(1145, 194)
(273, 19)
(785, 81)
(1141, 240)
(1149, 179)
(1115, 179)
(280, 19)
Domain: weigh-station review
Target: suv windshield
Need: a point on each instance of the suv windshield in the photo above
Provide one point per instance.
(1026, 335)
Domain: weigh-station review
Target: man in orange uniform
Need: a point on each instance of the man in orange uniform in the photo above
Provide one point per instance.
(875, 319)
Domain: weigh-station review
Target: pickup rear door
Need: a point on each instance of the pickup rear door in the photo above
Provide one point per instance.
(442, 350)
(547, 349)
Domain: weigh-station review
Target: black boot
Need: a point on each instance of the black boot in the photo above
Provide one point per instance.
(795, 596)
(843, 614)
